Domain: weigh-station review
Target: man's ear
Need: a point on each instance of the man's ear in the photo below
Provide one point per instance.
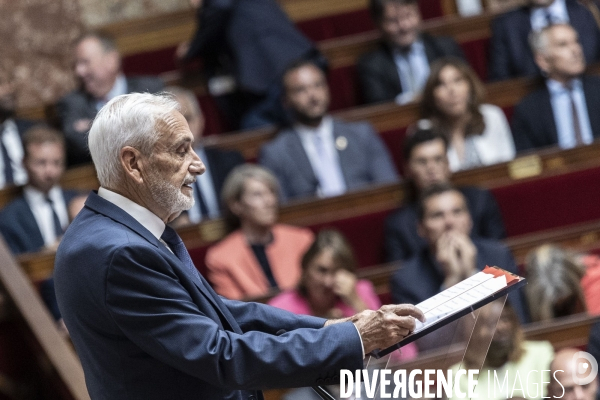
(132, 163)
(540, 60)
(235, 208)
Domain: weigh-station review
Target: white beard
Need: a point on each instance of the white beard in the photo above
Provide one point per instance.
(168, 196)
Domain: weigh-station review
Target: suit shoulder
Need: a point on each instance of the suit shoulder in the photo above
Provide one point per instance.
(151, 84)
(293, 232)
(373, 58)
(532, 99)
(13, 208)
(491, 246)
(76, 96)
(509, 17)
(356, 127)
(592, 81)
(281, 138)
(399, 217)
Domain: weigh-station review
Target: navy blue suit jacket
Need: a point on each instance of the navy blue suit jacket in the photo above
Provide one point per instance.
(256, 35)
(510, 54)
(402, 240)
(420, 277)
(378, 73)
(364, 161)
(19, 227)
(533, 124)
(146, 328)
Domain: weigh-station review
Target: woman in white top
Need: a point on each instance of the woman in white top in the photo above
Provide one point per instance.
(478, 134)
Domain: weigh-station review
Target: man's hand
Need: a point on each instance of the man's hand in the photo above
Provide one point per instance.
(447, 256)
(385, 327)
(467, 253)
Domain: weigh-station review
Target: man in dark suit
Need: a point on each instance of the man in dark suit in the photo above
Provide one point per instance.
(98, 67)
(510, 54)
(12, 171)
(258, 41)
(399, 67)
(144, 322)
(38, 218)
(450, 255)
(218, 163)
(319, 155)
(565, 110)
(426, 165)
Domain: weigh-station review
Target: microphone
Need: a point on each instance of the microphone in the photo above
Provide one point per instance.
(323, 394)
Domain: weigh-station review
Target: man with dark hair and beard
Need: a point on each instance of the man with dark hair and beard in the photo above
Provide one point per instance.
(12, 171)
(320, 155)
(509, 356)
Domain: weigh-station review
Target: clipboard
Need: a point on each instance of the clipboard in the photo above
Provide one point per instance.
(513, 283)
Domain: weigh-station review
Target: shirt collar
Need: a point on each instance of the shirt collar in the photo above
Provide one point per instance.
(34, 195)
(145, 217)
(417, 45)
(119, 88)
(555, 87)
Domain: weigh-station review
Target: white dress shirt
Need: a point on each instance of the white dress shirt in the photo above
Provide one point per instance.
(335, 177)
(560, 98)
(42, 211)
(413, 70)
(557, 11)
(145, 217)
(12, 141)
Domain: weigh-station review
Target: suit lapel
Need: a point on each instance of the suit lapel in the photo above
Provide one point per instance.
(547, 115)
(31, 226)
(105, 207)
(592, 102)
(391, 69)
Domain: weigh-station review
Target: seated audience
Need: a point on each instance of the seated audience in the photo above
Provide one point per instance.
(319, 155)
(398, 68)
(426, 164)
(509, 355)
(510, 54)
(560, 283)
(564, 111)
(38, 218)
(12, 171)
(98, 68)
(565, 368)
(218, 163)
(478, 134)
(253, 40)
(260, 255)
(450, 255)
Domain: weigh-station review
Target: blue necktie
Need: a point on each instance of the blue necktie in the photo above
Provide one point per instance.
(9, 178)
(176, 244)
(58, 230)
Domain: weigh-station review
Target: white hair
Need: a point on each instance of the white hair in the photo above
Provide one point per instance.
(127, 120)
(538, 39)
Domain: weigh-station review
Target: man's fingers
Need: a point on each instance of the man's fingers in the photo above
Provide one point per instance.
(405, 310)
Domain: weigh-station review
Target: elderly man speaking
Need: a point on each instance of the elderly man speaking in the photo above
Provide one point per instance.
(144, 322)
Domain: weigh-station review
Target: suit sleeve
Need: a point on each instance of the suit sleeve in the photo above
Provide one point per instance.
(382, 169)
(499, 58)
(151, 307)
(492, 223)
(71, 109)
(374, 86)
(269, 159)
(521, 128)
(212, 22)
(395, 248)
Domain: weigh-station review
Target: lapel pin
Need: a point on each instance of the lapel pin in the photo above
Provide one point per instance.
(341, 143)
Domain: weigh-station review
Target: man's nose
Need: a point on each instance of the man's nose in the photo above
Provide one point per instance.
(197, 166)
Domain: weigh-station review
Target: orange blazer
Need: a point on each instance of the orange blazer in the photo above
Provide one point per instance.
(235, 273)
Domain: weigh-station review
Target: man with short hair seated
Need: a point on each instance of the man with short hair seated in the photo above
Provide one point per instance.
(565, 111)
(98, 68)
(568, 371)
(426, 164)
(399, 67)
(451, 255)
(320, 155)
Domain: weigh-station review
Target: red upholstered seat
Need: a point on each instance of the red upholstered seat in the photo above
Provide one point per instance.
(550, 202)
